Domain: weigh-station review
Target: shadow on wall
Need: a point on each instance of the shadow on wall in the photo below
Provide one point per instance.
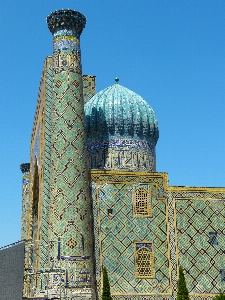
(97, 138)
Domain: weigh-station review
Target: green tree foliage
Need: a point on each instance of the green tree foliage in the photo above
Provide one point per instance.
(182, 293)
(106, 295)
(221, 296)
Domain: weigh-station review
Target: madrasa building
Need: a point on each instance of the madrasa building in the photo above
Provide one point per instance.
(92, 196)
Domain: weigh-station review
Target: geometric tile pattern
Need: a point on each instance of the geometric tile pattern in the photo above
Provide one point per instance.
(191, 216)
(69, 212)
(89, 87)
(69, 226)
(45, 182)
(68, 174)
(172, 242)
(117, 233)
(201, 259)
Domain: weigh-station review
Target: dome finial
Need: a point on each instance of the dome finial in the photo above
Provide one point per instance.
(116, 79)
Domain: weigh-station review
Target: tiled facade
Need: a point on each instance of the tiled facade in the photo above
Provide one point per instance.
(198, 215)
(121, 213)
(116, 234)
(179, 230)
(89, 87)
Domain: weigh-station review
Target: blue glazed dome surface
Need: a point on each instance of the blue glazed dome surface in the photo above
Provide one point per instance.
(119, 112)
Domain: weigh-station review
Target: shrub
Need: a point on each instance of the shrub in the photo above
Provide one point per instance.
(106, 295)
(221, 296)
(182, 293)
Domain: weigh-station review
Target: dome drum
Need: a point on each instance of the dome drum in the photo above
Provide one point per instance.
(126, 155)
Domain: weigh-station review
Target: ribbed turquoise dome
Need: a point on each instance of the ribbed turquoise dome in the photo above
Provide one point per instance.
(118, 111)
(122, 131)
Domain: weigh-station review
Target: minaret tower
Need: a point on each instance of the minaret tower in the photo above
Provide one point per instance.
(70, 226)
(57, 224)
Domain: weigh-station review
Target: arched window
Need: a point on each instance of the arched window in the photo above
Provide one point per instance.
(142, 203)
(144, 260)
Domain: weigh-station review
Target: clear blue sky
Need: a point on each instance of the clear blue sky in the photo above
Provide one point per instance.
(172, 53)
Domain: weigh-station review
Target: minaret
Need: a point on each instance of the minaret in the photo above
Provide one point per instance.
(70, 226)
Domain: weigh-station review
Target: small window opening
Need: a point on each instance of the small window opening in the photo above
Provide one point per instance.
(222, 272)
(110, 211)
(144, 260)
(142, 203)
(213, 238)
